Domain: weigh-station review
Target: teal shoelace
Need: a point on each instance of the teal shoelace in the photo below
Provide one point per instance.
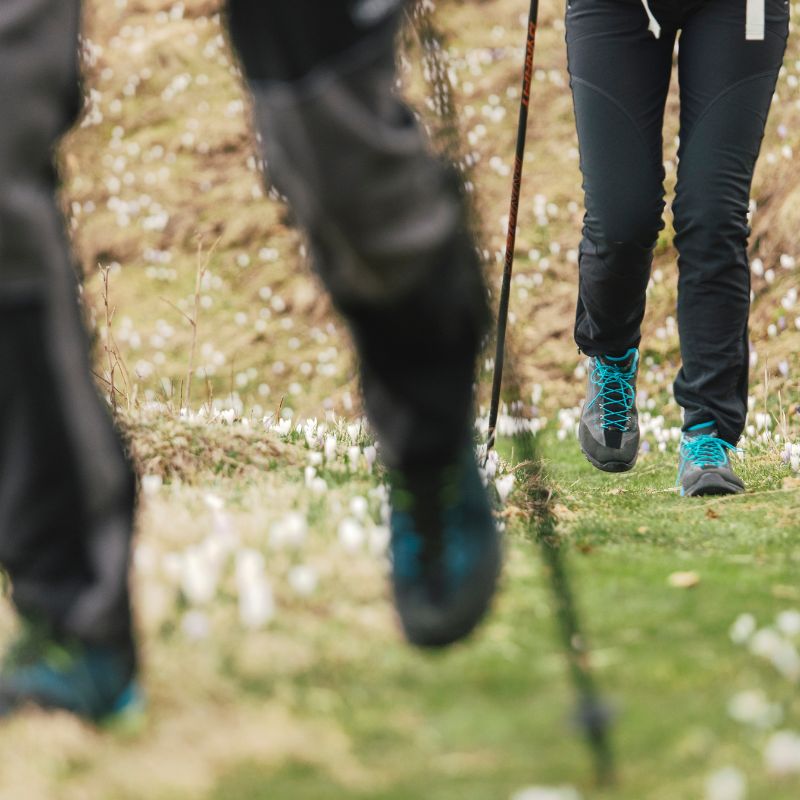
(616, 393)
(705, 451)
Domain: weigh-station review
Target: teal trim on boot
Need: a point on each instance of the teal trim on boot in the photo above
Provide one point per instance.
(95, 682)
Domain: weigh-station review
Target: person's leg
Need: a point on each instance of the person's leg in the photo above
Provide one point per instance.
(727, 85)
(620, 76)
(66, 490)
(388, 231)
(385, 218)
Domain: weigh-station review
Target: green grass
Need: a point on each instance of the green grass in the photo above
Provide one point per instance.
(492, 716)
(329, 703)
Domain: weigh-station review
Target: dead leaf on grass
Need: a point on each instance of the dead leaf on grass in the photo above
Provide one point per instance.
(684, 580)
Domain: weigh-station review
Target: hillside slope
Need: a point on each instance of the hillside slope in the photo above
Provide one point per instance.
(164, 164)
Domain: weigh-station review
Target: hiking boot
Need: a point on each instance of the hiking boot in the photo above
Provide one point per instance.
(445, 551)
(705, 467)
(96, 682)
(609, 428)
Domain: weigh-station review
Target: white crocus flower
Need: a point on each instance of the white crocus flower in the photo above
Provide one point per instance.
(765, 643)
(370, 454)
(309, 474)
(788, 623)
(310, 432)
(318, 486)
(283, 427)
(753, 708)
(742, 629)
(492, 463)
(782, 754)
(330, 448)
(379, 540)
(303, 580)
(359, 507)
(504, 486)
(195, 625)
(213, 501)
(199, 577)
(353, 457)
(256, 601)
(727, 783)
(151, 484)
(351, 534)
(289, 532)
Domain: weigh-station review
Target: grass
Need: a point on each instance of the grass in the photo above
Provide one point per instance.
(490, 717)
(327, 702)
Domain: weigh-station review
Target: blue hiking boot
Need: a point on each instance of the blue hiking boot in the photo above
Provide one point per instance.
(92, 681)
(705, 467)
(445, 550)
(609, 427)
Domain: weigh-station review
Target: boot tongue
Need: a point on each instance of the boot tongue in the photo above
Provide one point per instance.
(624, 364)
(710, 430)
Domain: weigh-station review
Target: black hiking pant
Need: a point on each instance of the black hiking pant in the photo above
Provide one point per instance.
(66, 490)
(387, 226)
(620, 76)
(385, 220)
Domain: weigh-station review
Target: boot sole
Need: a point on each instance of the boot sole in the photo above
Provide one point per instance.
(610, 466)
(712, 484)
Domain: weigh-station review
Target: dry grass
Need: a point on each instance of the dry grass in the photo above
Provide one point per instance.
(175, 449)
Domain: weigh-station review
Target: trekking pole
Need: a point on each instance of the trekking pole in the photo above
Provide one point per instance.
(516, 187)
(592, 714)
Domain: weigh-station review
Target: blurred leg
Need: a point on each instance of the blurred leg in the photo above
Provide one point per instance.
(620, 77)
(727, 85)
(66, 491)
(385, 219)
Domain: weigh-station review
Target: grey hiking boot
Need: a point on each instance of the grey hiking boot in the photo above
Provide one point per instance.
(705, 466)
(609, 429)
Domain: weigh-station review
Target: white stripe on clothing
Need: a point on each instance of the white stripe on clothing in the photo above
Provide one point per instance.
(755, 21)
(653, 27)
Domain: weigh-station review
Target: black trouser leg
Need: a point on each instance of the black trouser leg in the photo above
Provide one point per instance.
(385, 219)
(66, 491)
(620, 78)
(726, 90)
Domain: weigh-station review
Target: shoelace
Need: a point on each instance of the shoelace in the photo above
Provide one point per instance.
(705, 451)
(616, 393)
